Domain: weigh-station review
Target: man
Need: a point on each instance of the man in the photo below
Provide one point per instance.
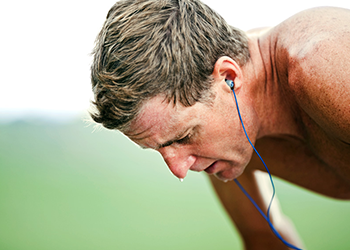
(159, 76)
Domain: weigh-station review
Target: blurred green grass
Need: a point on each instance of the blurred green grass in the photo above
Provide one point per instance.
(65, 187)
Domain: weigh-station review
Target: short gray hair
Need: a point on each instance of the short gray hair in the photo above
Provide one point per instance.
(152, 47)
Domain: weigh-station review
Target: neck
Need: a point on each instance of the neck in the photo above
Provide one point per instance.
(273, 104)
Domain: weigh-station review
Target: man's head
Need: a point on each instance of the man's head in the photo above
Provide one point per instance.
(148, 48)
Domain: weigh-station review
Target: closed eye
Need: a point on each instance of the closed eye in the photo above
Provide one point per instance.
(184, 140)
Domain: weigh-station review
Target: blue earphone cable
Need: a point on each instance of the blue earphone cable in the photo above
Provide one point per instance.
(267, 216)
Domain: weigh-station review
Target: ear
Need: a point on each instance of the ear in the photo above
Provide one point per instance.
(226, 68)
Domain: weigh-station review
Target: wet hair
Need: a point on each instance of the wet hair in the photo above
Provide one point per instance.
(158, 47)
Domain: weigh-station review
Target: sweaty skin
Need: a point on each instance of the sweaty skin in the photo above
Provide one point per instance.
(294, 96)
(306, 57)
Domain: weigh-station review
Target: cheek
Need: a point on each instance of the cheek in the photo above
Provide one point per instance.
(213, 146)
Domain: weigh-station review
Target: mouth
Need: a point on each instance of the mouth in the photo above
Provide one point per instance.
(222, 173)
(212, 169)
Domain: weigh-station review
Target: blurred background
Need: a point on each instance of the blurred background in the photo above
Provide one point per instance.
(65, 185)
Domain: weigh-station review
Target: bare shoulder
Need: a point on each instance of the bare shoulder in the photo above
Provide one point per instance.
(317, 44)
(318, 24)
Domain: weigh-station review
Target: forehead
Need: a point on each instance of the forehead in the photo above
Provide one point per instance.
(154, 114)
(158, 121)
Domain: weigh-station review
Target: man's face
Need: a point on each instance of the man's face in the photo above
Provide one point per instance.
(203, 137)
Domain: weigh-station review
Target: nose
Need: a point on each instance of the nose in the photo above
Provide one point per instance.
(178, 160)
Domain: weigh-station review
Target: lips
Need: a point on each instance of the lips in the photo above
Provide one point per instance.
(224, 172)
(212, 169)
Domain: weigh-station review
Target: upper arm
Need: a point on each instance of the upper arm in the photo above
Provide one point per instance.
(253, 228)
(319, 73)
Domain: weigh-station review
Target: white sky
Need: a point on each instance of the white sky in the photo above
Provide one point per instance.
(46, 45)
